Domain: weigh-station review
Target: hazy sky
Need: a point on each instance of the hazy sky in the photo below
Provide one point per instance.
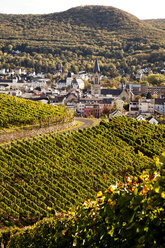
(143, 9)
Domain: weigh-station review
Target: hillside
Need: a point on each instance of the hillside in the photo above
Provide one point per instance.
(75, 37)
(93, 17)
(157, 23)
(16, 112)
(125, 215)
(56, 172)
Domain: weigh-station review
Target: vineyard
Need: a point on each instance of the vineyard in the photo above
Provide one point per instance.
(125, 215)
(56, 172)
(20, 112)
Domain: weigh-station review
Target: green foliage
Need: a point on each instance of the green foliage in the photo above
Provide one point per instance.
(114, 107)
(56, 172)
(154, 79)
(20, 112)
(111, 83)
(127, 215)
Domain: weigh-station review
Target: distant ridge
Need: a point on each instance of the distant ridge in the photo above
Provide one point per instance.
(157, 23)
(81, 33)
(95, 17)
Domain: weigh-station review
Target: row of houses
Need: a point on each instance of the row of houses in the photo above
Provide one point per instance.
(86, 106)
(149, 106)
(96, 101)
(150, 119)
(96, 107)
(143, 90)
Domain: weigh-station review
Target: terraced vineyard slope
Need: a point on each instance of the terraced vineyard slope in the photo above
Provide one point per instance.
(56, 172)
(15, 112)
(126, 215)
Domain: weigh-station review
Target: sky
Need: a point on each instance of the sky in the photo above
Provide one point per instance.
(143, 9)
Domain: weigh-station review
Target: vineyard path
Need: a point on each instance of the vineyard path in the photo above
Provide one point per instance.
(85, 123)
(80, 123)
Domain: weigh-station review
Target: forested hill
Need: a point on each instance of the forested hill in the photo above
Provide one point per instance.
(104, 18)
(95, 17)
(76, 37)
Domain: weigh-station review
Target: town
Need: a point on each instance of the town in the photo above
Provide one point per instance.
(82, 124)
(139, 101)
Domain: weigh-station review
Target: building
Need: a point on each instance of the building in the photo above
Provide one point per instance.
(141, 89)
(134, 107)
(83, 75)
(2, 71)
(69, 82)
(152, 120)
(72, 106)
(95, 86)
(93, 109)
(80, 108)
(78, 83)
(140, 118)
(61, 84)
(146, 105)
(116, 113)
(120, 94)
(69, 79)
(17, 71)
(160, 105)
(142, 106)
(159, 90)
(134, 88)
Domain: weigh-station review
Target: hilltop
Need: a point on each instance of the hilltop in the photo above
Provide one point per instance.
(76, 36)
(95, 17)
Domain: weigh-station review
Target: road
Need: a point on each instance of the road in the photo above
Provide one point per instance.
(85, 124)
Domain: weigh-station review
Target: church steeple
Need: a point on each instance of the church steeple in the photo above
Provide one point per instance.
(96, 72)
(95, 87)
(96, 67)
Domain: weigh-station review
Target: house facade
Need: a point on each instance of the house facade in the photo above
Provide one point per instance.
(93, 109)
(142, 106)
(120, 94)
(152, 120)
(146, 105)
(160, 105)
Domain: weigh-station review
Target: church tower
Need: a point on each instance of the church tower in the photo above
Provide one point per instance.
(95, 87)
(69, 79)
